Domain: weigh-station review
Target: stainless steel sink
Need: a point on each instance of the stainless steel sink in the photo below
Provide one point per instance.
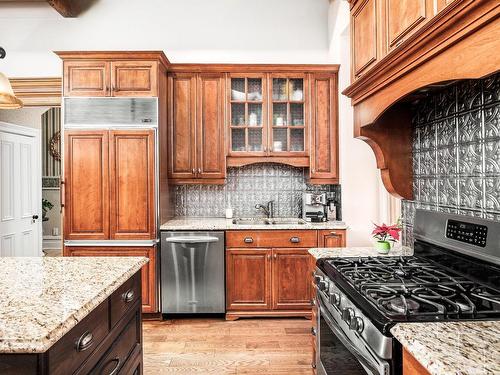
(286, 220)
(251, 221)
(265, 221)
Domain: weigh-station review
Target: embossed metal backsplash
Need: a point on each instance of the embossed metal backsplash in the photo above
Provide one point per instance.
(456, 152)
(246, 187)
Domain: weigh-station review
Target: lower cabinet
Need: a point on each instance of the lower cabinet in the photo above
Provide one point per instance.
(411, 366)
(149, 277)
(332, 238)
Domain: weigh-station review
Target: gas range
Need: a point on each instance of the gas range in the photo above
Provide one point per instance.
(453, 275)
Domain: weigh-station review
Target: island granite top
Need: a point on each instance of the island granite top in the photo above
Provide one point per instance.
(44, 297)
(367, 251)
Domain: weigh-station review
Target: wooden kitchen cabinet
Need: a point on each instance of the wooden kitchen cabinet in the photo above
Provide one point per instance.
(109, 187)
(110, 78)
(248, 279)
(291, 279)
(134, 78)
(332, 238)
(148, 273)
(85, 187)
(404, 18)
(196, 128)
(324, 159)
(87, 78)
(132, 187)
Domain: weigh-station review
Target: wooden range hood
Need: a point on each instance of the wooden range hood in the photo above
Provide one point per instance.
(460, 42)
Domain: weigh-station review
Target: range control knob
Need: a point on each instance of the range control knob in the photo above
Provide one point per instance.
(357, 324)
(335, 299)
(318, 279)
(348, 315)
(323, 285)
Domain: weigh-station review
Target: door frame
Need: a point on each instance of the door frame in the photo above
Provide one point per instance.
(34, 133)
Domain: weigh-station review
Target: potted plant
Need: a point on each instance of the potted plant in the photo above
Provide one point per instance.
(46, 207)
(385, 234)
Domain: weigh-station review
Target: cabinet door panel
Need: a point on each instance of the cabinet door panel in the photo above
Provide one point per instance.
(248, 279)
(332, 238)
(404, 17)
(210, 127)
(364, 35)
(148, 274)
(134, 78)
(132, 173)
(182, 122)
(291, 279)
(324, 153)
(86, 213)
(86, 78)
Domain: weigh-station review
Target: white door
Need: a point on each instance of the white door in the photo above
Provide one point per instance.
(20, 191)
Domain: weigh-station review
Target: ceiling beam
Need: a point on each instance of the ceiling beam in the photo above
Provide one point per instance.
(67, 8)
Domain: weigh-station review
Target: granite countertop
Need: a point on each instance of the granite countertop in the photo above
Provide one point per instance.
(453, 348)
(44, 297)
(217, 223)
(346, 252)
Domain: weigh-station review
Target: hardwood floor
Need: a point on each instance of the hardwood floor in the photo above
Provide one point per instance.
(216, 346)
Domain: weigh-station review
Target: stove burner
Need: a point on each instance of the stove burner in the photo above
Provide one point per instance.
(404, 306)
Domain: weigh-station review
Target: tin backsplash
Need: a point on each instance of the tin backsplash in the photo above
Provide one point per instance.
(247, 186)
(456, 152)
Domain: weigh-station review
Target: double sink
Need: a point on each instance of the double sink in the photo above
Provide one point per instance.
(266, 221)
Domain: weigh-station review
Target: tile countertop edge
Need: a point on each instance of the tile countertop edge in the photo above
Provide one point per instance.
(43, 344)
(451, 348)
(217, 223)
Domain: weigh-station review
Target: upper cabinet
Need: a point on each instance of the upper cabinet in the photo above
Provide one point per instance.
(244, 114)
(196, 128)
(400, 49)
(110, 78)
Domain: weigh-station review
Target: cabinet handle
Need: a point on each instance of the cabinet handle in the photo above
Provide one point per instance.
(62, 191)
(85, 341)
(275, 256)
(313, 331)
(294, 239)
(199, 170)
(313, 170)
(334, 234)
(193, 171)
(248, 240)
(128, 296)
(268, 256)
(117, 366)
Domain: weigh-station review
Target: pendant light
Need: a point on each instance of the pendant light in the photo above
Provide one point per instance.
(8, 99)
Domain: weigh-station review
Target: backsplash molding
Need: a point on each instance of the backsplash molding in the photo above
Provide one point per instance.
(456, 152)
(247, 186)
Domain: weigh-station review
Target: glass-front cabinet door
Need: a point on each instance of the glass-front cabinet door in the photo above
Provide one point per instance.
(247, 115)
(288, 114)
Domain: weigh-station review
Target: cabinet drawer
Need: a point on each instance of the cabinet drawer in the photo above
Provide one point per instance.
(116, 357)
(272, 238)
(79, 343)
(124, 298)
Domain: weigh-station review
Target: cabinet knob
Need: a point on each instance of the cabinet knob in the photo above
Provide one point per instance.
(193, 171)
(128, 296)
(268, 256)
(294, 239)
(275, 256)
(199, 170)
(248, 240)
(115, 369)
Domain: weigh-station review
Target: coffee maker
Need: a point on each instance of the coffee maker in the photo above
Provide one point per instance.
(314, 207)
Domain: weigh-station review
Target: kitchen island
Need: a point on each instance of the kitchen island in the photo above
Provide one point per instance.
(70, 315)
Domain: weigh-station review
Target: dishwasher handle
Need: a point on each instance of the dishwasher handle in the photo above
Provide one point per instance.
(193, 239)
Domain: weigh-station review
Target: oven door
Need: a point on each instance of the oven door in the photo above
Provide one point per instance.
(338, 354)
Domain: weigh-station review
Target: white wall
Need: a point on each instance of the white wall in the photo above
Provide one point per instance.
(281, 31)
(360, 178)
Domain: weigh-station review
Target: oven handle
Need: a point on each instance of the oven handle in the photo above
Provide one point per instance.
(346, 342)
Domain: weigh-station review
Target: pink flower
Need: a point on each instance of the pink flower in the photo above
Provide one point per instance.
(386, 232)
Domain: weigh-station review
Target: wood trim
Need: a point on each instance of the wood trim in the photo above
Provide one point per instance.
(234, 315)
(197, 181)
(252, 68)
(295, 161)
(114, 55)
(36, 92)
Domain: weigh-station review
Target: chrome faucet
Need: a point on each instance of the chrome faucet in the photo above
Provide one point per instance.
(268, 209)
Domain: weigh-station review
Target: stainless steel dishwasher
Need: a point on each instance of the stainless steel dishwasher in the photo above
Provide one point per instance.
(192, 272)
